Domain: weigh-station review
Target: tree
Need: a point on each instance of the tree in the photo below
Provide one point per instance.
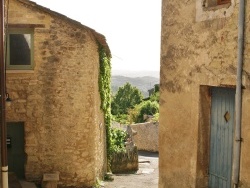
(126, 97)
(155, 95)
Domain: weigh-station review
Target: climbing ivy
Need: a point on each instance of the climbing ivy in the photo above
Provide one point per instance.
(105, 93)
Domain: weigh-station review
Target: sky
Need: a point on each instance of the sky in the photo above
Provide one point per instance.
(132, 28)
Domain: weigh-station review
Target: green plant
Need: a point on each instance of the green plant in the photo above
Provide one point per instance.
(133, 114)
(118, 138)
(98, 183)
(121, 118)
(108, 177)
(155, 97)
(105, 93)
(156, 117)
(144, 108)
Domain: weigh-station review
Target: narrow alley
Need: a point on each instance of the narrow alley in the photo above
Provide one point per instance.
(145, 177)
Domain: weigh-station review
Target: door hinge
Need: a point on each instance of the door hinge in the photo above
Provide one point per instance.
(239, 140)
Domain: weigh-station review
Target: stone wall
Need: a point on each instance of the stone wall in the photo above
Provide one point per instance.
(198, 50)
(125, 162)
(59, 100)
(147, 136)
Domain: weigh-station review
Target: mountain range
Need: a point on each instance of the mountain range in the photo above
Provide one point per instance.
(133, 74)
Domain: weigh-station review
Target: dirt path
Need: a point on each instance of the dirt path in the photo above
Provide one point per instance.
(146, 176)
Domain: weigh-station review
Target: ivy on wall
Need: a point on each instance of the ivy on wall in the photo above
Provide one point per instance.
(105, 93)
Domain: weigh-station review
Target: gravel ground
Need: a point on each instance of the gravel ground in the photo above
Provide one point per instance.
(146, 177)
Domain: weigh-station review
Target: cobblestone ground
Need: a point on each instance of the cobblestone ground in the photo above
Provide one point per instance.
(146, 177)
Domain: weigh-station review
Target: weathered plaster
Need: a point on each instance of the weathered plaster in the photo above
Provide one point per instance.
(198, 51)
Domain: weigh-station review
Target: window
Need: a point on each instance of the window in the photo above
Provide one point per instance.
(214, 9)
(221, 2)
(20, 49)
(213, 3)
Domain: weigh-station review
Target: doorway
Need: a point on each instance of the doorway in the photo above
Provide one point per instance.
(221, 137)
(15, 147)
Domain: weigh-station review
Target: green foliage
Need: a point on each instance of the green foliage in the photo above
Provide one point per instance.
(136, 115)
(108, 177)
(156, 117)
(118, 138)
(156, 93)
(157, 88)
(98, 184)
(155, 97)
(133, 114)
(148, 108)
(121, 118)
(105, 93)
(126, 97)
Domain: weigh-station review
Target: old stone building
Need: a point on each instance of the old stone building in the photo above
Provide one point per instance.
(204, 94)
(54, 122)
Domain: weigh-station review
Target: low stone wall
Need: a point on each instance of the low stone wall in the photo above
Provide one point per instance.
(147, 136)
(125, 162)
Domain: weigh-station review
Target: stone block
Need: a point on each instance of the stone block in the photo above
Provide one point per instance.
(125, 162)
(50, 180)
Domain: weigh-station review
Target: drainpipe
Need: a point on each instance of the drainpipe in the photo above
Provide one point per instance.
(4, 161)
(238, 97)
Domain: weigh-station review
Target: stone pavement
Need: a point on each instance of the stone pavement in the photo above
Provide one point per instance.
(146, 177)
(26, 184)
(15, 183)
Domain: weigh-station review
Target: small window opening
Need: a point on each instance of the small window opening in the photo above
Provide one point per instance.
(20, 49)
(221, 2)
(214, 3)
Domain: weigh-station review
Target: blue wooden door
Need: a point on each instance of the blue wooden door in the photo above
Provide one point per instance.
(221, 137)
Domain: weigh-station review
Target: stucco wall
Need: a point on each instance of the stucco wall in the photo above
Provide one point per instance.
(147, 136)
(196, 52)
(59, 100)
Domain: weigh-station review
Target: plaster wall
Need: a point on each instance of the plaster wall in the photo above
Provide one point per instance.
(196, 50)
(147, 136)
(59, 100)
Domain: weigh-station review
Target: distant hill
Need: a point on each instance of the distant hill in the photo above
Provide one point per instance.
(142, 83)
(134, 74)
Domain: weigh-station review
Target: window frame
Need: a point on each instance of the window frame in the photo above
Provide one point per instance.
(20, 31)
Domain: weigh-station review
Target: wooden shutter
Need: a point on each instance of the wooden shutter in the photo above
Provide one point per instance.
(221, 2)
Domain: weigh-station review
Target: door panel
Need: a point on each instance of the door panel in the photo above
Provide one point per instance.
(221, 137)
(16, 154)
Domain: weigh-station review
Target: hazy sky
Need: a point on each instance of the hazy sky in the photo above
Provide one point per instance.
(132, 28)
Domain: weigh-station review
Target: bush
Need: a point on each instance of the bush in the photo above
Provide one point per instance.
(145, 108)
(155, 97)
(156, 117)
(121, 118)
(118, 138)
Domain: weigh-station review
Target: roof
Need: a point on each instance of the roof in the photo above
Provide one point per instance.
(99, 37)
